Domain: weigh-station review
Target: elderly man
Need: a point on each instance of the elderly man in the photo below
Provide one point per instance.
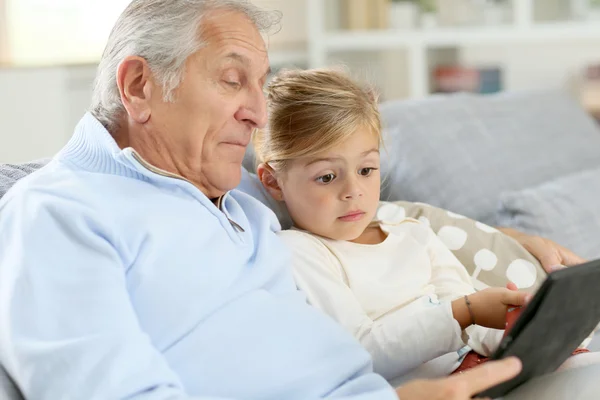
(128, 267)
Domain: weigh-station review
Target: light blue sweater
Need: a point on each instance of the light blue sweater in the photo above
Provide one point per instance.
(117, 282)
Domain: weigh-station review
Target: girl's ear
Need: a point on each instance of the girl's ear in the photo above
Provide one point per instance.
(269, 181)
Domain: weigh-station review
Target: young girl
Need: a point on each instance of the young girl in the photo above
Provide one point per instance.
(403, 295)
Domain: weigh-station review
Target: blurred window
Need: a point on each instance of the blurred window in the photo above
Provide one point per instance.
(50, 32)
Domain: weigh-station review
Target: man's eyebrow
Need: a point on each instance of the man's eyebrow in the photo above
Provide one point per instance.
(242, 59)
(239, 58)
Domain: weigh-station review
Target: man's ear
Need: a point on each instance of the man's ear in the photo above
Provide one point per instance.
(269, 181)
(135, 83)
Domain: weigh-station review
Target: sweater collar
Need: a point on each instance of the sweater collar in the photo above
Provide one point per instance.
(93, 148)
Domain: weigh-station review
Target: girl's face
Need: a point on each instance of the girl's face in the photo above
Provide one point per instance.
(336, 193)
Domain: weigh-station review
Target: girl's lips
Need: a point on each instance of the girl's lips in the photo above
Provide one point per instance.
(352, 216)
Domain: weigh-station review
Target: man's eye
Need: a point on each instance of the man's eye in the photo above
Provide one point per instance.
(366, 171)
(326, 178)
(233, 84)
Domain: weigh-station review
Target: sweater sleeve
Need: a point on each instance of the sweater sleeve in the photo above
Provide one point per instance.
(398, 341)
(69, 329)
(451, 282)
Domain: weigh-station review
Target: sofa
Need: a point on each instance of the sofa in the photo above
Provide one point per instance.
(528, 160)
(524, 160)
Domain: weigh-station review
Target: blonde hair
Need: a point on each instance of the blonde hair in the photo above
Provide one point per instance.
(311, 111)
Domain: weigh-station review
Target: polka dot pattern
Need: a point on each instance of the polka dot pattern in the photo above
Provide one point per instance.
(391, 213)
(454, 238)
(522, 273)
(491, 258)
(485, 260)
(486, 228)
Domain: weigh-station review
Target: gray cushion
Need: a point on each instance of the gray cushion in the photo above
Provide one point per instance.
(566, 210)
(575, 384)
(8, 390)
(11, 173)
(460, 152)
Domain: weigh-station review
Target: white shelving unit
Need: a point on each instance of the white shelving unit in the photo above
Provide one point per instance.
(288, 57)
(442, 37)
(419, 45)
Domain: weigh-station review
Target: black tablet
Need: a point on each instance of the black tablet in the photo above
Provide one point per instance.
(563, 312)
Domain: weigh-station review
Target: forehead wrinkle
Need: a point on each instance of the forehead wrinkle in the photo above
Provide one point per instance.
(221, 33)
(218, 28)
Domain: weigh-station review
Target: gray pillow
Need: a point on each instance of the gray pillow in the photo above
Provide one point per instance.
(8, 389)
(11, 173)
(566, 210)
(460, 152)
(491, 258)
(575, 384)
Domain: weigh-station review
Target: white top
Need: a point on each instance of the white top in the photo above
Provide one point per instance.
(394, 297)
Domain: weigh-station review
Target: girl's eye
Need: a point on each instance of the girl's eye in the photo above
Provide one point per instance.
(233, 84)
(326, 178)
(366, 171)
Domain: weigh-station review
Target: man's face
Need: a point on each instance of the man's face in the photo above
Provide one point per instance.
(218, 104)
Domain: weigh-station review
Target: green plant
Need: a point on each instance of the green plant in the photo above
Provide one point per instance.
(428, 6)
(425, 5)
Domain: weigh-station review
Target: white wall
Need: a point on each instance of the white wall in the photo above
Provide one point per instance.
(554, 65)
(3, 34)
(39, 108)
(293, 22)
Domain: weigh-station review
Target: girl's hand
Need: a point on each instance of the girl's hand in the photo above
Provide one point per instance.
(488, 307)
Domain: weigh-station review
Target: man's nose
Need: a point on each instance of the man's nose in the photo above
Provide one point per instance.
(254, 112)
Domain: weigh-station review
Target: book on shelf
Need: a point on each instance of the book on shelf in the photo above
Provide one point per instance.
(457, 78)
(365, 14)
(379, 14)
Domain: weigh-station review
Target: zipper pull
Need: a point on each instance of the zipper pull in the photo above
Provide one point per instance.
(236, 225)
(232, 222)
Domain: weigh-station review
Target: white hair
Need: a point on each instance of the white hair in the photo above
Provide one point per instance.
(164, 33)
